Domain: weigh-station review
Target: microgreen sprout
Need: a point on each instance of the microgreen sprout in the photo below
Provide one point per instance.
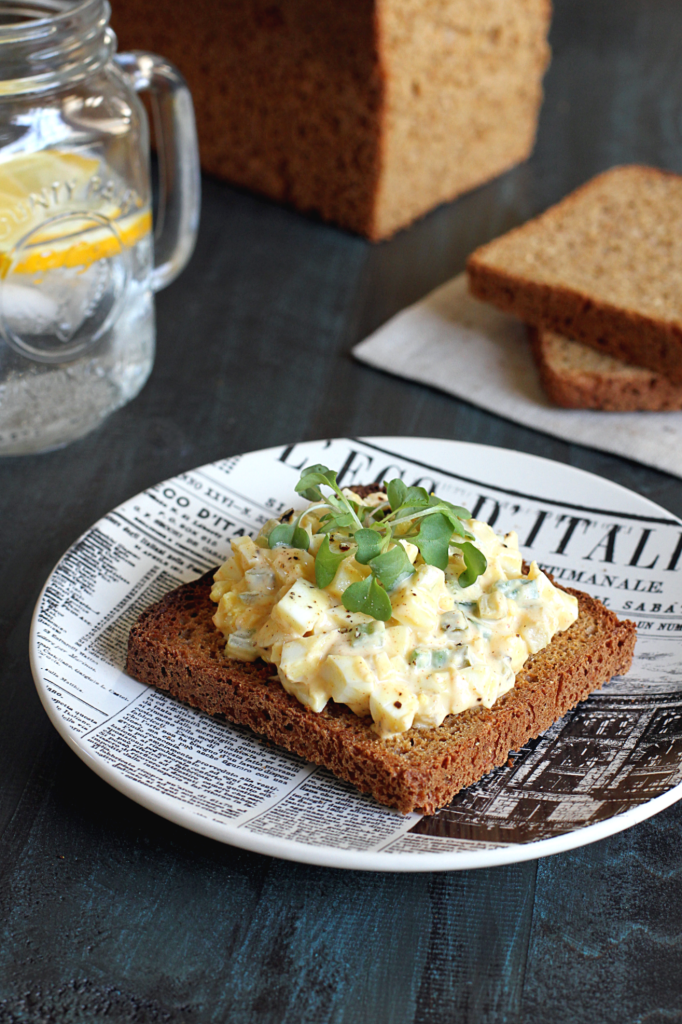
(289, 533)
(373, 536)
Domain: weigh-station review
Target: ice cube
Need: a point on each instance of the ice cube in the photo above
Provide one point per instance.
(27, 310)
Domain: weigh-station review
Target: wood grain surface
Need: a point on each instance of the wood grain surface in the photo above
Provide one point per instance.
(110, 914)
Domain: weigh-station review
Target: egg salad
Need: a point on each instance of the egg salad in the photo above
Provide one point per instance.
(431, 642)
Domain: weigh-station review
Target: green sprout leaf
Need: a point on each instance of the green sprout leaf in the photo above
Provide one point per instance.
(392, 568)
(455, 510)
(369, 545)
(311, 478)
(395, 492)
(416, 496)
(326, 564)
(312, 493)
(281, 536)
(341, 521)
(456, 524)
(433, 539)
(300, 539)
(475, 562)
(322, 474)
(368, 596)
(410, 513)
(309, 485)
(289, 535)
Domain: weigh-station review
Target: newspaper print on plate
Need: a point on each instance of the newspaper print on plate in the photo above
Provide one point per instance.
(619, 749)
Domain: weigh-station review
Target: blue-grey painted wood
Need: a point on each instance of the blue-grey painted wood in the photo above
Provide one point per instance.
(109, 914)
(606, 939)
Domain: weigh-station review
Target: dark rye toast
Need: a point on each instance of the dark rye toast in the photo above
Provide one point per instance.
(175, 647)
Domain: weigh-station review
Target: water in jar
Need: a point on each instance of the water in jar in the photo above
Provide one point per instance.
(76, 309)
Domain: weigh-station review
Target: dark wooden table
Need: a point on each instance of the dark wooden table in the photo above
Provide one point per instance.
(110, 914)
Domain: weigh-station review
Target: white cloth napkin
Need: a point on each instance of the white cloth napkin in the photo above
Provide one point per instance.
(469, 349)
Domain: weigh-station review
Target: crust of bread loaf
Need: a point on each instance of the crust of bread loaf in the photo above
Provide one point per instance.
(594, 380)
(366, 113)
(626, 333)
(175, 647)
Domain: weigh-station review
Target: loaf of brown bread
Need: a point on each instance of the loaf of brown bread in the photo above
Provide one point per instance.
(576, 376)
(603, 266)
(175, 647)
(368, 112)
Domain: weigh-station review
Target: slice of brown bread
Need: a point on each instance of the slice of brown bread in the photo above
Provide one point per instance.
(603, 266)
(577, 377)
(175, 647)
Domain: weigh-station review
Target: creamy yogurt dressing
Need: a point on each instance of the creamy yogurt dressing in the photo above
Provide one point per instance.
(445, 648)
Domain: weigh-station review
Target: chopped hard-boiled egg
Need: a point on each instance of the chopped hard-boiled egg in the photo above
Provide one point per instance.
(351, 681)
(444, 649)
(301, 607)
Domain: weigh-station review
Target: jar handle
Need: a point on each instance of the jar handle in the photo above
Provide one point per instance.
(177, 219)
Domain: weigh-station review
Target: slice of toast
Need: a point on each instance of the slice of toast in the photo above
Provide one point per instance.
(575, 376)
(603, 266)
(175, 646)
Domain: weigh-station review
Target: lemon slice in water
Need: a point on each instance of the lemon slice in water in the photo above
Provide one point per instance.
(64, 210)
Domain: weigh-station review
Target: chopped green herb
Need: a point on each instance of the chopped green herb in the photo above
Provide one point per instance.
(430, 658)
(368, 635)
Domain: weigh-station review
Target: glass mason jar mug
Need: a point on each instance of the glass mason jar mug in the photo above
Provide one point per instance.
(78, 260)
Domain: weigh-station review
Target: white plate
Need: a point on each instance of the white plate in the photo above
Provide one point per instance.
(612, 762)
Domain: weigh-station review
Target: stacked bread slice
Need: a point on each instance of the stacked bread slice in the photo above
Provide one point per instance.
(598, 278)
